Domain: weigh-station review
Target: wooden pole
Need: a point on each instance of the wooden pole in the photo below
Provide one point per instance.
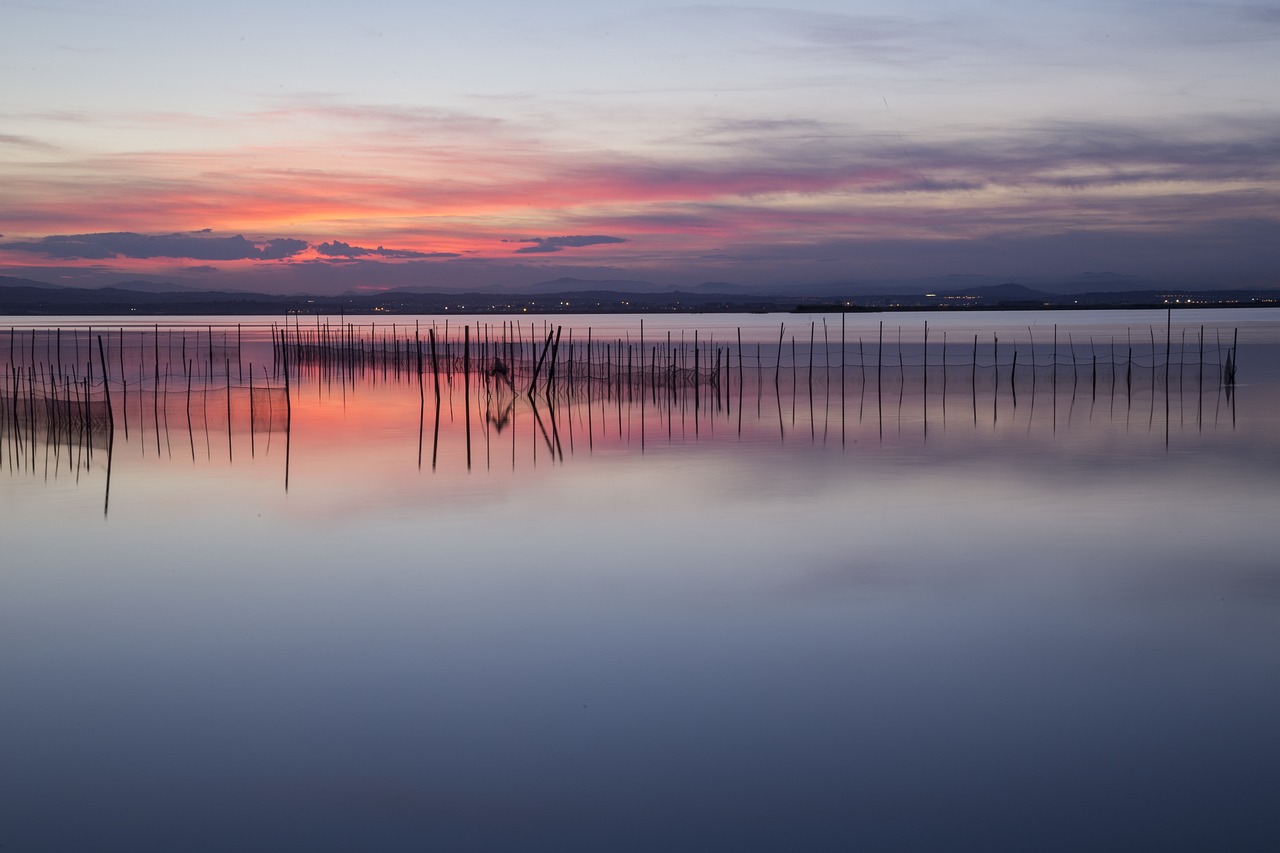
(777, 373)
(555, 349)
(106, 383)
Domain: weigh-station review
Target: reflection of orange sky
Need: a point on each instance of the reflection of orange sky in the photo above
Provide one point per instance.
(354, 449)
(382, 421)
(362, 453)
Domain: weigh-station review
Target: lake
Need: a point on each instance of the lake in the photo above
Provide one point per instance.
(709, 582)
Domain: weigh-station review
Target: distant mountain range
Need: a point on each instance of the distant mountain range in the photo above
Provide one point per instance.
(19, 296)
(136, 285)
(569, 284)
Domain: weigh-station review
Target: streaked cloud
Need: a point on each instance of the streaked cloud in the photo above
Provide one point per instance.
(27, 142)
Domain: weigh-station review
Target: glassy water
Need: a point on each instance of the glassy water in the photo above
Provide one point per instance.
(888, 593)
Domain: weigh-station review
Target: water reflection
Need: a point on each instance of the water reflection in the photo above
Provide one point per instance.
(897, 598)
(513, 398)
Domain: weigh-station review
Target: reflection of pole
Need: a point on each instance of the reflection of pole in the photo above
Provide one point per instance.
(880, 361)
(106, 496)
(253, 449)
(537, 418)
(995, 382)
(288, 445)
(697, 382)
(422, 394)
(973, 380)
(1200, 383)
(435, 364)
(228, 368)
(740, 380)
(644, 393)
(1013, 372)
(813, 424)
(466, 384)
(555, 432)
(288, 414)
(124, 383)
(435, 440)
(190, 435)
(944, 378)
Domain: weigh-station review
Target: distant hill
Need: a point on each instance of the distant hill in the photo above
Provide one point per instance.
(1008, 292)
(10, 281)
(1097, 282)
(20, 296)
(722, 287)
(577, 285)
(139, 286)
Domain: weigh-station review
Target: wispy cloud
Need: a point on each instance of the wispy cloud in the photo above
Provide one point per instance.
(1200, 23)
(883, 38)
(422, 123)
(28, 142)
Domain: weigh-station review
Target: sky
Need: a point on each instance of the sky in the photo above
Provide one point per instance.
(328, 147)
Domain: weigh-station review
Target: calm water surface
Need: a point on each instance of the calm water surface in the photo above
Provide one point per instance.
(895, 607)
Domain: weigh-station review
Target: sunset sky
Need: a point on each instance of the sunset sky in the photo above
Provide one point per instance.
(323, 147)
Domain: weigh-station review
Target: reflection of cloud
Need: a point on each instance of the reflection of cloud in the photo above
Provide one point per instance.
(542, 245)
(126, 244)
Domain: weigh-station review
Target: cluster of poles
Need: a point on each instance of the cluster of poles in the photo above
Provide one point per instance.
(556, 366)
(70, 391)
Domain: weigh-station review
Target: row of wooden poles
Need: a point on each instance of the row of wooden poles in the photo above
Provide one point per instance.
(503, 353)
(554, 363)
(65, 379)
(58, 385)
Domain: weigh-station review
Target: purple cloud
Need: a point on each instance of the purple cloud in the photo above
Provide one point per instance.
(544, 245)
(339, 249)
(126, 244)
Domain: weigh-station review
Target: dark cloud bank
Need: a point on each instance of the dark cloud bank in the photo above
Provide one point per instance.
(339, 249)
(200, 247)
(546, 245)
(126, 244)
